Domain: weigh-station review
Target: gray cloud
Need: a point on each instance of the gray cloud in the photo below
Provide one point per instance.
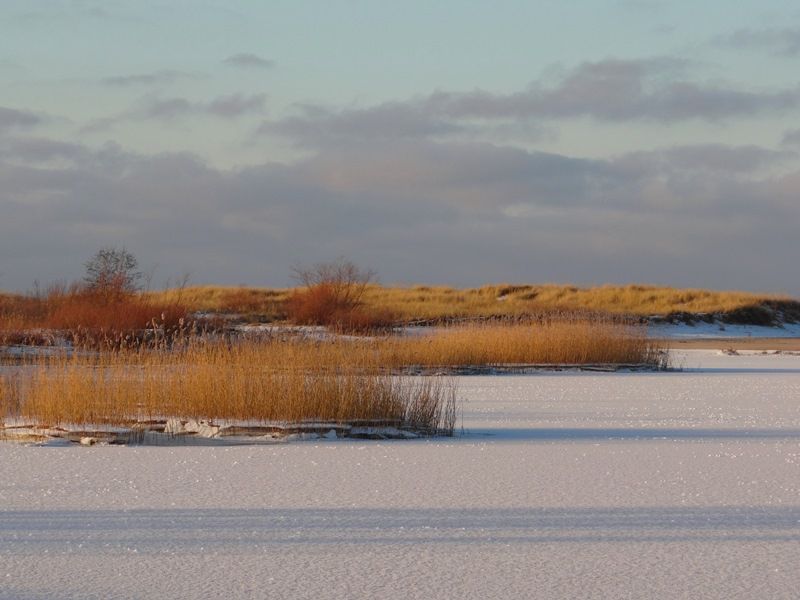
(784, 41)
(11, 118)
(791, 138)
(618, 90)
(712, 157)
(611, 90)
(235, 105)
(166, 108)
(41, 150)
(462, 213)
(391, 120)
(169, 109)
(249, 60)
(162, 77)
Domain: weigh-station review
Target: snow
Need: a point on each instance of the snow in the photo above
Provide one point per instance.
(717, 330)
(563, 485)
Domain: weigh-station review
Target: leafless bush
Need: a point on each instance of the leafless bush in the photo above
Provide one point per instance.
(333, 295)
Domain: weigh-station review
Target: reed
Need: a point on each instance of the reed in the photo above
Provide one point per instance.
(246, 382)
(292, 378)
(557, 341)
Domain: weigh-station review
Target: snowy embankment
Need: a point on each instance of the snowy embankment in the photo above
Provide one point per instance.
(563, 485)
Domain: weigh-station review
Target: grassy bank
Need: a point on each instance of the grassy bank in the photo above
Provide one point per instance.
(90, 320)
(438, 302)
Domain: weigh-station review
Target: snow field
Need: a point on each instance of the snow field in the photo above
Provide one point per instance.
(564, 485)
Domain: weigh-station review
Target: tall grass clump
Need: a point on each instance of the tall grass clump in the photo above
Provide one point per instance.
(554, 340)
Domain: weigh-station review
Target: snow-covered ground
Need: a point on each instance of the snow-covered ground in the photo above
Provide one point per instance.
(564, 485)
(718, 330)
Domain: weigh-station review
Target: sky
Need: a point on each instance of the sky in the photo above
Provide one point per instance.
(450, 142)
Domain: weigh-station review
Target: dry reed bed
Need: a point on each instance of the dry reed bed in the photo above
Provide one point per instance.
(557, 342)
(292, 379)
(248, 382)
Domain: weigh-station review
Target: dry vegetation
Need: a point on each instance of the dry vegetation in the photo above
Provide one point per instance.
(262, 382)
(441, 303)
(559, 340)
(267, 303)
(640, 300)
(291, 378)
(88, 317)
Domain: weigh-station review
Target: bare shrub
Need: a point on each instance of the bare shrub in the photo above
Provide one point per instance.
(333, 295)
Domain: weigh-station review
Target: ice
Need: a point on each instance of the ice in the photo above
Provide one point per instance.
(561, 485)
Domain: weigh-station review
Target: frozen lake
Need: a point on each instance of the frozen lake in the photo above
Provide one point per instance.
(563, 485)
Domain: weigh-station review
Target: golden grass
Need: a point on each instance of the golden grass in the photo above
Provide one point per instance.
(491, 300)
(217, 383)
(439, 302)
(243, 300)
(296, 379)
(552, 342)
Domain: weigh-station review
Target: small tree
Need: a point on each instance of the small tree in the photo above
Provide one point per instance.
(112, 273)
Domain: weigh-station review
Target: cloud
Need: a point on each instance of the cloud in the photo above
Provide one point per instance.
(231, 106)
(618, 90)
(170, 109)
(712, 157)
(612, 90)
(782, 42)
(166, 76)
(11, 118)
(166, 108)
(392, 120)
(249, 61)
(30, 149)
(235, 105)
(791, 138)
(485, 212)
